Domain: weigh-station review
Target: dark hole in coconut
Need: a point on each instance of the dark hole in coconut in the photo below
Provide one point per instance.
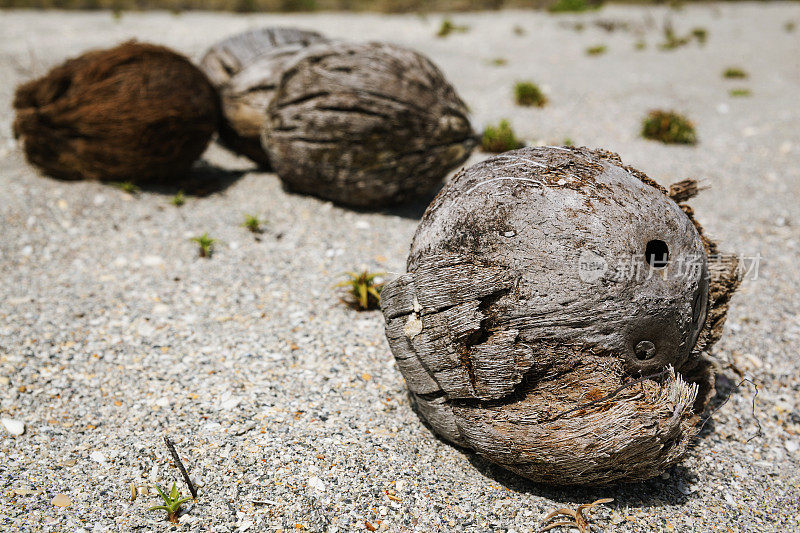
(645, 350)
(657, 253)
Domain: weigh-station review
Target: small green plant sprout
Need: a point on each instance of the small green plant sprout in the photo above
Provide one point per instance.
(500, 138)
(572, 6)
(252, 223)
(172, 503)
(206, 244)
(567, 142)
(734, 73)
(700, 34)
(671, 39)
(528, 94)
(668, 127)
(518, 30)
(179, 199)
(127, 186)
(738, 93)
(596, 50)
(498, 62)
(363, 290)
(448, 27)
(640, 44)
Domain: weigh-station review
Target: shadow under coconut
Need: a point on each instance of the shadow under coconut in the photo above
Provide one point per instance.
(656, 492)
(411, 209)
(203, 179)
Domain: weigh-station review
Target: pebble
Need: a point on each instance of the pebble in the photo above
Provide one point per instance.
(316, 484)
(230, 403)
(61, 500)
(25, 492)
(15, 427)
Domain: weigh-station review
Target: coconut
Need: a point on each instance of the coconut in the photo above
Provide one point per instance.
(556, 314)
(245, 68)
(138, 112)
(365, 125)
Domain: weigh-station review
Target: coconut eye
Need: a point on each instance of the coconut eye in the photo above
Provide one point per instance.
(645, 350)
(657, 253)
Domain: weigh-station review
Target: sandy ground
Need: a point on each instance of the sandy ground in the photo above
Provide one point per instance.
(286, 405)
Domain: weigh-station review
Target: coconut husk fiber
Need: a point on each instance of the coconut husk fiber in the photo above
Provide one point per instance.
(556, 316)
(246, 68)
(137, 112)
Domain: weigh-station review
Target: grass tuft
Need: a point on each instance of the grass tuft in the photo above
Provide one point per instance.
(363, 290)
(668, 127)
(572, 6)
(596, 50)
(738, 93)
(172, 503)
(673, 41)
(734, 73)
(205, 244)
(500, 138)
(700, 35)
(527, 93)
(126, 186)
(449, 27)
(179, 199)
(252, 223)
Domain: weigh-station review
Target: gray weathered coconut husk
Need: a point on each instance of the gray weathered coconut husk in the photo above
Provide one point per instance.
(365, 125)
(245, 68)
(531, 327)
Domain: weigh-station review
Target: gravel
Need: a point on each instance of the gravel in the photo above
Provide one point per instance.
(285, 405)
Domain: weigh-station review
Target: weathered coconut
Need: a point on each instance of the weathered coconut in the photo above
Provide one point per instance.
(556, 313)
(365, 125)
(246, 68)
(137, 112)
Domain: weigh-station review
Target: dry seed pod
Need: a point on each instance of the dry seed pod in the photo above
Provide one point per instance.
(246, 68)
(556, 313)
(365, 125)
(137, 112)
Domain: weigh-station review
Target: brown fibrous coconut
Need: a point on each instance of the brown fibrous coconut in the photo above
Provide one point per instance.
(556, 316)
(365, 125)
(245, 68)
(137, 112)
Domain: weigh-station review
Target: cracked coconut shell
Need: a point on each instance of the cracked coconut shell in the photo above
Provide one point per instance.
(137, 112)
(246, 68)
(365, 125)
(556, 314)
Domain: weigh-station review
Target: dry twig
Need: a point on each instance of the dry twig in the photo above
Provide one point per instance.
(578, 520)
